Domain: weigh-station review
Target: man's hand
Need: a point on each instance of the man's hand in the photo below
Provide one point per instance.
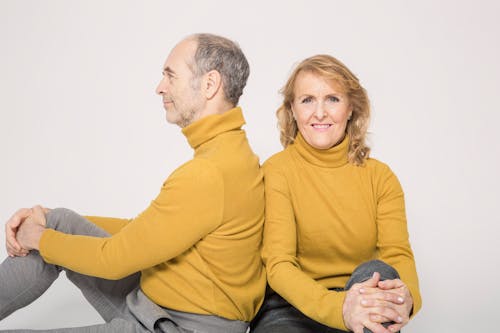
(30, 231)
(11, 227)
(368, 306)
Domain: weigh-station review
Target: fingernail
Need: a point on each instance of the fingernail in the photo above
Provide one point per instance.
(363, 301)
(400, 320)
(361, 290)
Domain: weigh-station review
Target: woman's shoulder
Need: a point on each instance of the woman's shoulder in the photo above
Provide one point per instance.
(381, 173)
(373, 163)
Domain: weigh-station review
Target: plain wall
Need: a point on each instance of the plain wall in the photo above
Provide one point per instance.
(81, 127)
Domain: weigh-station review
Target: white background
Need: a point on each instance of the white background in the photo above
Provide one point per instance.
(81, 127)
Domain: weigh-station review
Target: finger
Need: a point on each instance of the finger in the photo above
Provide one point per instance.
(375, 327)
(16, 253)
(395, 327)
(13, 223)
(10, 238)
(391, 284)
(388, 313)
(376, 303)
(371, 282)
(18, 217)
(379, 319)
(377, 294)
(358, 329)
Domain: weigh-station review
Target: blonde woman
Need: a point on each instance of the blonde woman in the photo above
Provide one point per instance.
(336, 245)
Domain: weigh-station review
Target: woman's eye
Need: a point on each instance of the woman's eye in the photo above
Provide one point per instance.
(307, 100)
(333, 99)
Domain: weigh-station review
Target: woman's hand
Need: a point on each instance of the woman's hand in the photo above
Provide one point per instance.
(395, 292)
(390, 294)
(367, 305)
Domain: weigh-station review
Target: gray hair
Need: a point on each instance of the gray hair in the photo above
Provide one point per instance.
(225, 56)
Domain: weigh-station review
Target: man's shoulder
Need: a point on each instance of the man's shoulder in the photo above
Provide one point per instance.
(196, 170)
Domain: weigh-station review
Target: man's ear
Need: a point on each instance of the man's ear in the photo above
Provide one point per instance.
(211, 84)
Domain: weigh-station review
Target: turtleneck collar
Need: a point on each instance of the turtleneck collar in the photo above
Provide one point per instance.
(209, 127)
(333, 157)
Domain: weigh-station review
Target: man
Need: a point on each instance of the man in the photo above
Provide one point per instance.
(190, 261)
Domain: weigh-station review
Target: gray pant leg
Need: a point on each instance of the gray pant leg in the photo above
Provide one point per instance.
(24, 279)
(115, 326)
(365, 271)
(106, 296)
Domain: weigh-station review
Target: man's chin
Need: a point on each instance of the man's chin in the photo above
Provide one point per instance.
(172, 118)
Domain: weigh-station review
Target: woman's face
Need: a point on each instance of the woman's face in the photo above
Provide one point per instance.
(321, 110)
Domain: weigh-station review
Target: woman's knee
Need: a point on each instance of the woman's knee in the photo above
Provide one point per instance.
(365, 271)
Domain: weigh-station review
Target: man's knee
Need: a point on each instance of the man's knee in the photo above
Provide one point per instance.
(365, 271)
(69, 222)
(57, 218)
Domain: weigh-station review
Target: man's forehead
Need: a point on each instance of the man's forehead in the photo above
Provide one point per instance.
(181, 54)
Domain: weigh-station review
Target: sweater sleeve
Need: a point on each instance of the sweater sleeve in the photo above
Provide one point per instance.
(109, 224)
(280, 258)
(393, 239)
(189, 206)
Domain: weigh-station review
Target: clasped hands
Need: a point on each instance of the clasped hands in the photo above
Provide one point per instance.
(24, 230)
(373, 302)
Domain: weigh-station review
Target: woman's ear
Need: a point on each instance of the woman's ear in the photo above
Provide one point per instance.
(212, 83)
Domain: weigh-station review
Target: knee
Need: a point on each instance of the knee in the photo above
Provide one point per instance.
(365, 271)
(57, 218)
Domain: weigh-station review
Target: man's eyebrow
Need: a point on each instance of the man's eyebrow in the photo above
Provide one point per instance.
(168, 70)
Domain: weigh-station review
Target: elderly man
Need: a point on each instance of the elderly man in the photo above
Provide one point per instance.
(190, 262)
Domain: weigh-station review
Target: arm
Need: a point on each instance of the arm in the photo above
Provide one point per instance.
(109, 224)
(188, 207)
(280, 257)
(11, 227)
(393, 242)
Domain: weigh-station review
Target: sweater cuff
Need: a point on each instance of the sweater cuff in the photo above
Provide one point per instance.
(338, 314)
(417, 300)
(45, 244)
(331, 310)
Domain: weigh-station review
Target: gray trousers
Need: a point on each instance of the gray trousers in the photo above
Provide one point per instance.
(278, 316)
(121, 303)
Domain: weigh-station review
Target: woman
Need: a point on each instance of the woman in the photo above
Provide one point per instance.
(330, 212)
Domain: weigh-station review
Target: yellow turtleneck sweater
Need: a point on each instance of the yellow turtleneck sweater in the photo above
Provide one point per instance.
(324, 217)
(197, 244)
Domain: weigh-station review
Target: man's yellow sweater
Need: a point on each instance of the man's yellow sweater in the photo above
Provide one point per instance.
(197, 244)
(324, 217)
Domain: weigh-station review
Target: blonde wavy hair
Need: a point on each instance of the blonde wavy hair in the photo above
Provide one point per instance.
(331, 69)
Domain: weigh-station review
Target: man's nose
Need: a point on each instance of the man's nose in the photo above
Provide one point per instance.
(162, 87)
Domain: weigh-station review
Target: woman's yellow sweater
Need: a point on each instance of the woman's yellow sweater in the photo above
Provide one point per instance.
(324, 217)
(197, 244)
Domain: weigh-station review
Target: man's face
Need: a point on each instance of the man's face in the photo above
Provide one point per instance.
(179, 89)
